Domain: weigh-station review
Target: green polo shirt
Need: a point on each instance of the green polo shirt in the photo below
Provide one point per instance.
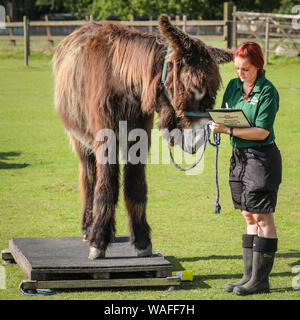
(260, 108)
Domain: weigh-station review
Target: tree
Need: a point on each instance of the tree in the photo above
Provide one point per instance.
(53, 5)
(286, 6)
(258, 5)
(203, 9)
(78, 8)
(193, 9)
(151, 8)
(103, 9)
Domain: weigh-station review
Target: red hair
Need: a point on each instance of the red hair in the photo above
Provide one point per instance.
(251, 51)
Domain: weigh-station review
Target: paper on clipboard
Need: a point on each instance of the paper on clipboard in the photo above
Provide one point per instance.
(234, 118)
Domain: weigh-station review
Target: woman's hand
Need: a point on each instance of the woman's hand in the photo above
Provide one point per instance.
(219, 128)
(252, 133)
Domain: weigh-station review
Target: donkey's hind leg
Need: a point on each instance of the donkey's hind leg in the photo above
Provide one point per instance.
(87, 179)
(135, 195)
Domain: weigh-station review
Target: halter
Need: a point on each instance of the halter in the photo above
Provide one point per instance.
(163, 79)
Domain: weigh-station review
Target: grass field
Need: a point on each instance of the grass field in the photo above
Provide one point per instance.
(39, 195)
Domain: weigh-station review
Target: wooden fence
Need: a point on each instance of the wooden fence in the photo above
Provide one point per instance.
(183, 24)
(271, 30)
(150, 26)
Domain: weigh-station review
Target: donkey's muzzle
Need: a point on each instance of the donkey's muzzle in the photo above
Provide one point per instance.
(193, 138)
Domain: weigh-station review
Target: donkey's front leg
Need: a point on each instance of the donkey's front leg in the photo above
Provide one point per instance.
(135, 194)
(106, 193)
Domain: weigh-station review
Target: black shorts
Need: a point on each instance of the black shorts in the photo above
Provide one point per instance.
(255, 176)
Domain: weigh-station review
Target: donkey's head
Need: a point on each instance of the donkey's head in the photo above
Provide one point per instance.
(192, 78)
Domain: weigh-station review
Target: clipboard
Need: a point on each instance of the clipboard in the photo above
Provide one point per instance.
(234, 118)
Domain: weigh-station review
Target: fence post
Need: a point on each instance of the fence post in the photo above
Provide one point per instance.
(11, 32)
(227, 17)
(177, 21)
(48, 30)
(184, 23)
(234, 28)
(151, 27)
(267, 41)
(131, 20)
(26, 40)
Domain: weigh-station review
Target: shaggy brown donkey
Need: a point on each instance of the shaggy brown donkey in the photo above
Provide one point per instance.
(106, 73)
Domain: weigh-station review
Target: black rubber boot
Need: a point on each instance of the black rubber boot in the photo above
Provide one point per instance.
(263, 258)
(247, 244)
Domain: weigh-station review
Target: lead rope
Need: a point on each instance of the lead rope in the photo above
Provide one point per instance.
(216, 143)
(36, 292)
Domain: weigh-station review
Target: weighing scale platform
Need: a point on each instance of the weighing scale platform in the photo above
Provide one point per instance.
(62, 263)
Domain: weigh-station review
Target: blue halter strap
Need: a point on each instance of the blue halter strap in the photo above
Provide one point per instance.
(164, 72)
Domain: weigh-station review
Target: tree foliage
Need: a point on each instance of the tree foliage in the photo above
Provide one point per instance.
(194, 9)
(78, 8)
(286, 6)
(153, 8)
(103, 9)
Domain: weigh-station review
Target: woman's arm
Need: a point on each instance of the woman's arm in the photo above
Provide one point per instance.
(243, 133)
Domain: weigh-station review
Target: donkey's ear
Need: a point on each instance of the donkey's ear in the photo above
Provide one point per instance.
(221, 55)
(180, 42)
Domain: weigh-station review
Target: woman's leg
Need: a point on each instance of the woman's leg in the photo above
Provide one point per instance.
(261, 224)
(265, 224)
(247, 246)
(264, 248)
(252, 227)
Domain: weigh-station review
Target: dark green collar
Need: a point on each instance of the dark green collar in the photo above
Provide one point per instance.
(259, 83)
(196, 114)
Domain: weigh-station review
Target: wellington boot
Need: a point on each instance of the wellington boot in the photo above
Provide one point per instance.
(261, 268)
(247, 258)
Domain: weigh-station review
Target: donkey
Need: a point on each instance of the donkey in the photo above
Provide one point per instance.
(106, 73)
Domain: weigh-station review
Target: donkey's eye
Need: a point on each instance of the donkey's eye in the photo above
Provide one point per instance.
(198, 94)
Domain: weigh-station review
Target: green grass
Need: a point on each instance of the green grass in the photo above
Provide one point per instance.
(39, 195)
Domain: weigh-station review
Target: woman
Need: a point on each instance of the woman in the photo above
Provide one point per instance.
(255, 166)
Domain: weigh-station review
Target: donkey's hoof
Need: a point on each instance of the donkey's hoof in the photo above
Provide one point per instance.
(96, 253)
(85, 238)
(147, 252)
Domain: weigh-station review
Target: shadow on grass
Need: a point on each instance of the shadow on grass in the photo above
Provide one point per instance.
(293, 254)
(7, 156)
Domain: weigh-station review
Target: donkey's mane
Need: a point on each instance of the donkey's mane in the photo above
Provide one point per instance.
(135, 56)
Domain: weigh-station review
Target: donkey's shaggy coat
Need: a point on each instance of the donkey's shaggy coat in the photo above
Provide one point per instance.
(106, 73)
